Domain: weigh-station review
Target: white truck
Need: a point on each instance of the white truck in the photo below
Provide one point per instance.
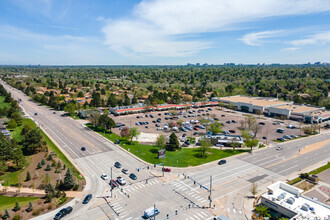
(151, 212)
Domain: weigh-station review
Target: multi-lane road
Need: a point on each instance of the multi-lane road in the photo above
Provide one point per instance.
(177, 192)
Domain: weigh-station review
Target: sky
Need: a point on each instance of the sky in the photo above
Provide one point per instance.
(163, 32)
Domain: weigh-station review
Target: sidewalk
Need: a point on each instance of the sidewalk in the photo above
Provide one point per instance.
(36, 192)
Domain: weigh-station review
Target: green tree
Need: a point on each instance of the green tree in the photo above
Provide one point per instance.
(17, 117)
(95, 118)
(28, 176)
(262, 211)
(160, 142)
(17, 154)
(33, 141)
(216, 127)
(26, 129)
(48, 167)
(205, 145)
(6, 215)
(70, 108)
(112, 100)
(17, 207)
(134, 133)
(69, 181)
(173, 143)
(80, 94)
(30, 207)
(12, 124)
(254, 189)
(43, 162)
(39, 166)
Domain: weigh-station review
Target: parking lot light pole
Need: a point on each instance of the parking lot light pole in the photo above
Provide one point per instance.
(210, 191)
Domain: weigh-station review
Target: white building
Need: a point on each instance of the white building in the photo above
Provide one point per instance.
(287, 201)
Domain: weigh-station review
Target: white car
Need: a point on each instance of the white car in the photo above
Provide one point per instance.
(121, 180)
(104, 176)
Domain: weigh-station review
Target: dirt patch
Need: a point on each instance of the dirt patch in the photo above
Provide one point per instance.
(313, 147)
(304, 185)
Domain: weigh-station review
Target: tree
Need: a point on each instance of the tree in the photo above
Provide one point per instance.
(39, 166)
(12, 124)
(95, 118)
(173, 143)
(205, 145)
(28, 176)
(48, 167)
(125, 133)
(180, 123)
(106, 122)
(216, 127)
(17, 117)
(49, 189)
(17, 154)
(33, 141)
(17, 207)
(69, 181)
(160, 142)
(112, 100)
(134, 133)
(30, 208)
(26, 129)
(80, 94)
(6, 215)
(171, 125)
(263, 211)
(250, 120)
(43, 161)
(254, 189)
(70, 108)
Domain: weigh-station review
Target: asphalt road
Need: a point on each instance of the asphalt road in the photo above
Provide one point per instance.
(231, 182)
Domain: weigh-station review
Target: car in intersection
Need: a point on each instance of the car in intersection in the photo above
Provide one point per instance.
(125, 171)
(133, 176)
(117, 165)
(104, 176)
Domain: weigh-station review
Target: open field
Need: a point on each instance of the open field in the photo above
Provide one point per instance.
(7, 202)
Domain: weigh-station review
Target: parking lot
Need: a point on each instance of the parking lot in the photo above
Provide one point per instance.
(148, 124)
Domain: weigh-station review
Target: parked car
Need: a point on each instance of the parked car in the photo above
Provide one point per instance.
(125, 171)
(280, 139)
(219, 145)
(264, 137)
(54, 112)
(222, 162)
(280, 130)
(187, 142)
(151, 116)
(228, 122)
(157, 125)
(117, 165)
(182, 139)
(133, 176)
(159, 114)
(196, 128)
(83, 148)
(104, 176)
(87, 199)
(279, 148)
(287, 137)
(166, 169)
(233, 121)
(276, 123)
(195, 133)
(146, 126)
(293, 136)
(184, 135)
(261, 123)
(121, 180)
(63, 212)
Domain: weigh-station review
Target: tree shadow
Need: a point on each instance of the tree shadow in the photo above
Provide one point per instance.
(154, 151)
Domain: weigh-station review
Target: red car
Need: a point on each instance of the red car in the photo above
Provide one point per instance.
(113, 183)
(196, 128)
(166, 169)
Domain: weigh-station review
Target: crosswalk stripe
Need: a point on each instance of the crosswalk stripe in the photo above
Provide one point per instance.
(128, 190)
(192, 218)
(228, 209)
(203, 200)
(234, 210)
(191, 192)
(199, 199)
(129, 218)
(196, 217)
(120, 209)
(240, 211)
(204, 214)
(200, 215)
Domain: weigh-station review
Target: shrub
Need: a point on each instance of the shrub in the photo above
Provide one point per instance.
(53, 163)
(50, 206)
(39, 166)
(48, 168)
(28, 176)
(17, 207)
(303, 175)
(17, 217)
(43, 162)
(30, 208)
(36, 212)
(75, 188)
(50, 157)
(6, 215)
(62, 200)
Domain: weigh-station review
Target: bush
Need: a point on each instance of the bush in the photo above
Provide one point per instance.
(303, 175)
(28, 176)
(17, 207)
(6, 215)
(50, 157)
(39, 166)
(48, 198)
(75, 188)
(36, 212)
(17, 217)
(43, 162)
(62, 200)
(53, 163)
(48, 168)
(50, 206)
(30, 208)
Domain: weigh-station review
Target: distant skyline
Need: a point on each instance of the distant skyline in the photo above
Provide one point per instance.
(163, 32)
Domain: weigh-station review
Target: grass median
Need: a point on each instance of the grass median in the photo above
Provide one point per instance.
(184, 157)
(7, 202)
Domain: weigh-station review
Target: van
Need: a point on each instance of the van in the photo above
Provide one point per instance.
(151, 212)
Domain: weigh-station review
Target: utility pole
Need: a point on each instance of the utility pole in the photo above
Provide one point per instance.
(164, 164)
(154, 211)
(210, 198)
(111, 181)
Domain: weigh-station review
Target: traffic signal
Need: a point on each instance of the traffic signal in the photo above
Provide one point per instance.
(148, 167)
(176, 212)
(154, 165)
(138, 170)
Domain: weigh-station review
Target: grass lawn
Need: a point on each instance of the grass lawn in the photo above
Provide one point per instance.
(16, 135)
(12, 178)
(2, 103)
(7, 202)
(181, 158)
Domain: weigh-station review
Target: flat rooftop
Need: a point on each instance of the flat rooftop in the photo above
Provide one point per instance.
(299, 108)
(260, 101)
(283, 192)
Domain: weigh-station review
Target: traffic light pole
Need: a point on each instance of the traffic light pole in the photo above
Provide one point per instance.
(210, 198)
(163, 165)
(110, 181)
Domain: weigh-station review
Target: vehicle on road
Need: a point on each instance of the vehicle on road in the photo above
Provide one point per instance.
(222, 162)
(54, 112)
(35, 113)
(166, 169)
(87, 199)
(133, 176)
(113, 183)
(150, 212)
(264, 137)
(83, 148)
(279, 148)
(228, 122)
(117, 165)
(104, 176)
(125, 171)
(280, 130)
(121, 180)
(261, 123)
(63, 212)
(232, 131)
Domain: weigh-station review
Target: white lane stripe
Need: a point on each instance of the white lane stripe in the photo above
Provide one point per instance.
(234, 211)
(196, 217)
(204, 214)
(199, 199)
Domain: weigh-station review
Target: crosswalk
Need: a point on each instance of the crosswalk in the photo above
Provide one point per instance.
(196, 214)
(188, 191)
(137, 186)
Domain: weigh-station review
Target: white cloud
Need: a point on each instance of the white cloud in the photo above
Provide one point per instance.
(256, 38)
(320, 38)
(163, 27)
(290, 49)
